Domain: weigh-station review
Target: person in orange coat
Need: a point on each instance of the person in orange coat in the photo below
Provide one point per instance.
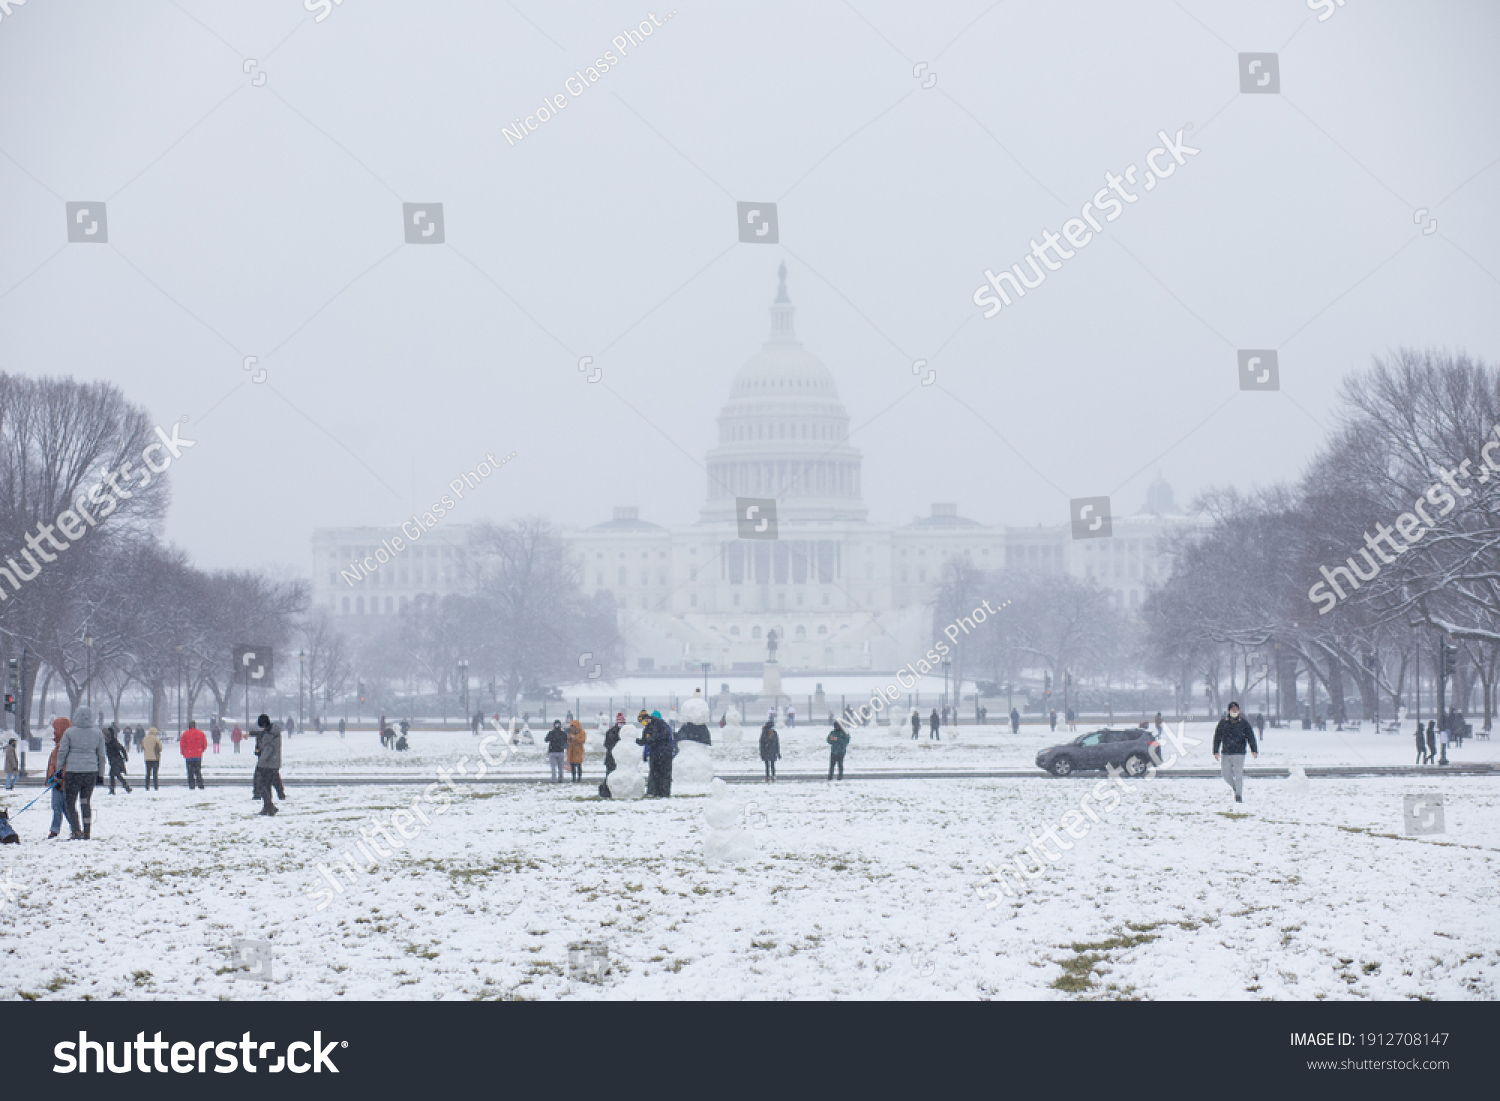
(576, 738)
(192, 745)
(56, 778)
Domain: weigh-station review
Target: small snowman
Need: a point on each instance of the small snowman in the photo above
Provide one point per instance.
(732, 733)
(723, 840)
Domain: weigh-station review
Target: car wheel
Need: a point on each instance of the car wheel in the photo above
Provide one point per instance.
(1136, 765)
(1062, 766)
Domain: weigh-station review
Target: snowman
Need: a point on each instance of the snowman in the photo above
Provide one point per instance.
(693, 767)
(723, 840)
(732, 733)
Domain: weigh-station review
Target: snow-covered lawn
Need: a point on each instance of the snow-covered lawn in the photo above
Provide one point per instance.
(979, 748)
(860, 890)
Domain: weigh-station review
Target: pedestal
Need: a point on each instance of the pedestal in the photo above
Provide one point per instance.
(770, 680)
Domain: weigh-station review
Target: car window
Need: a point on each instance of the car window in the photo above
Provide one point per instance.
(1091, 739)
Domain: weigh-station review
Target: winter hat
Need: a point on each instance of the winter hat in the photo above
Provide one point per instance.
(263, 721)
(83, 717)
(619, 716)
(656, 714)
(643, 718)
(1233, 706)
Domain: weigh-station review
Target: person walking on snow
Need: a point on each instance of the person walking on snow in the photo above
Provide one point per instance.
(1421, 745)
(12, 765)
(557, 744)
(1431, 742)
(1230, 739)
(934, 732)
(151, 753)
(791, 717)
(916, 725)
(236, 736)
(1015, 721)
(576, 738)
(57, 778)
(215, 734)
(117, 755)
(267, 763)
(770, 751)
(838, 741)
(191, 746)
(81, 755)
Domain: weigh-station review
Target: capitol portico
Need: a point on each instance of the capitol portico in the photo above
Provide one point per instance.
(840, 591)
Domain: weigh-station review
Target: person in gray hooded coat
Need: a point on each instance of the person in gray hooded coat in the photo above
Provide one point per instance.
(268, 762)
(81, 756)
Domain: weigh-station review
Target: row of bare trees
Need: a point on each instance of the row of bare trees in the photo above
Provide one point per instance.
(524, 624)
(112, 609)
(1387, 549)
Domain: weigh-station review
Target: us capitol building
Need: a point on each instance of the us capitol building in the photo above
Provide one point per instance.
(842, 593)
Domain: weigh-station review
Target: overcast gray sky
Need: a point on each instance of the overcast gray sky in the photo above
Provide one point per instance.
(266, 220)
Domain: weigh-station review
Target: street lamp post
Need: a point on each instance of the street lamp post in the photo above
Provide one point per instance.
(706, 667)
(301, 673)
(179, 692)
(946, 664)
(463, 672)
(88, 643)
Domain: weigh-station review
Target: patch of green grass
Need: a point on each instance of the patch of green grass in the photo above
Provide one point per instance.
(28, 995)
(141, 977)
(58, 982)
(1230, 814)
(177, 823)
(1078, 974)
(765, 945)
(418, 950)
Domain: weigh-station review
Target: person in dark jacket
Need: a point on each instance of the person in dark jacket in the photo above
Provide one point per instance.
(81, 756)
(657, 738)
(1421, 744)
(1231, 737)
(934, 732)
(838, 741)
(116, 753)
(916, 725)
(1015, 721)
(770, 750)
(612, 739)
(268, 763)
(557, 745)
(1431, 742)
(12, 765)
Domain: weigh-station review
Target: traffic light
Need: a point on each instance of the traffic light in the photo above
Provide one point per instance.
(1048, 683)
(1450, 660)
(10, 702)
(361, 691)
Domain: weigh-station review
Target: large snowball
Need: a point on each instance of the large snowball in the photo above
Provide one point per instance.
(693, 766)
(694, 710)
(627, 781)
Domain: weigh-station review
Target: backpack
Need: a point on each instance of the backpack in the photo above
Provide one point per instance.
(8, 835)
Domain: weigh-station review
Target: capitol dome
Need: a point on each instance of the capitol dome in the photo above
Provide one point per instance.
(783, 433)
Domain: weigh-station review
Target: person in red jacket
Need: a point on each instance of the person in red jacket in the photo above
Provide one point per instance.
(193, 744)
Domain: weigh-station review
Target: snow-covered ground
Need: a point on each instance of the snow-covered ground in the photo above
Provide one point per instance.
(860, 890)
(965, 747)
